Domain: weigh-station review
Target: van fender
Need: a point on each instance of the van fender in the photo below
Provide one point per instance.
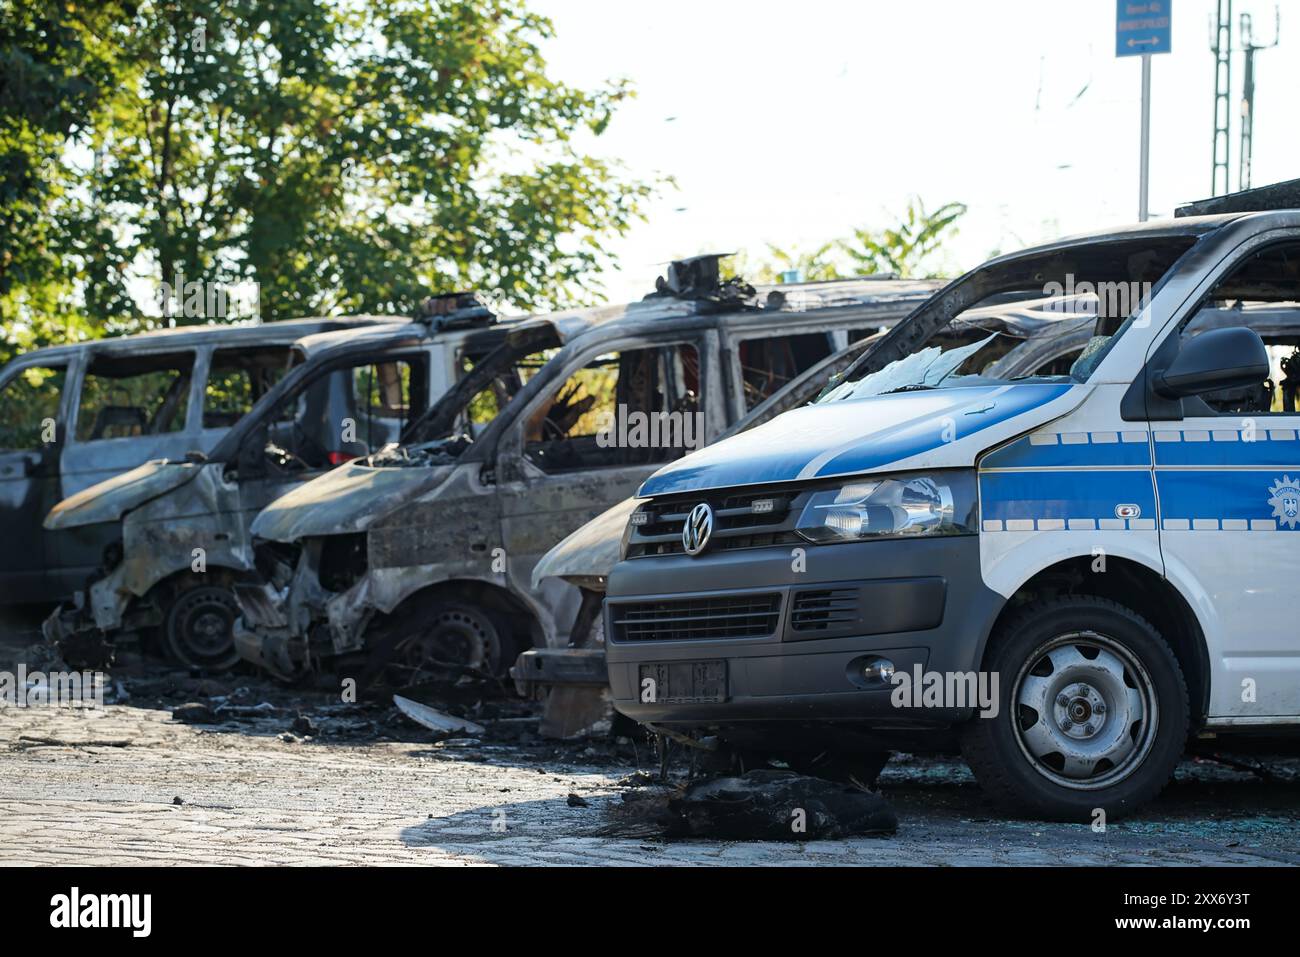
(194, 528)
(1008, 560)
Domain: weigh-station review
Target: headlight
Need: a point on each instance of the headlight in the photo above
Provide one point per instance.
(891, 506)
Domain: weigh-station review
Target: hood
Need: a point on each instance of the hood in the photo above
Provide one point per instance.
(344, 500)
(934, 428)
(590, 552)
(111, 499)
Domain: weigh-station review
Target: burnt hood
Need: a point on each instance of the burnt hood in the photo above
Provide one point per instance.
(111, 499)
(345, 500)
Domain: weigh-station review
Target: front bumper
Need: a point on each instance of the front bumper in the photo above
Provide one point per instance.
(918, 602)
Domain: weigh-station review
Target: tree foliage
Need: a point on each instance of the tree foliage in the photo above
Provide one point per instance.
(347, 156)
(905, 250)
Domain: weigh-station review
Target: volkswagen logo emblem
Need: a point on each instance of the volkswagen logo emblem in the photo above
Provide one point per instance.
(699, 526)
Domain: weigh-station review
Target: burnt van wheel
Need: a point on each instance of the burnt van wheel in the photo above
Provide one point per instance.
(199, 628)
(439, 642)
(1092, 712)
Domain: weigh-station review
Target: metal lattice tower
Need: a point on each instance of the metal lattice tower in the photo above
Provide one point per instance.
(1221, 47)
(1249, 48)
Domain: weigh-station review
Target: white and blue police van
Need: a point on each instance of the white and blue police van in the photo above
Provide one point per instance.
(1068, 576)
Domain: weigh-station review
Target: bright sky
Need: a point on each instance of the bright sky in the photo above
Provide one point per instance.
(793, 123)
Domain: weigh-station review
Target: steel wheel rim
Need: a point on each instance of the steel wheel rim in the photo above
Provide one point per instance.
(454, 638)
(206, 626)
(1058, 725)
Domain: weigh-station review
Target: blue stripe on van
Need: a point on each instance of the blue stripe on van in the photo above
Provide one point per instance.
(1229, 446)
(1066, 495)
(928, 433)
(1227, 495)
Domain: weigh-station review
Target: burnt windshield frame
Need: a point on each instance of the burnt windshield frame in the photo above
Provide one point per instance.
(438, 422)
(1140, 255)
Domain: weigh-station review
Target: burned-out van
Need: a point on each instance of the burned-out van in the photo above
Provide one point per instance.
(421, 555)
(1065, 574)
(179, 524)
(72, 416)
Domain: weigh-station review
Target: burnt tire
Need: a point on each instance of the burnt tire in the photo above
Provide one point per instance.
(438, 641)
(1092, 712)
(198, 628)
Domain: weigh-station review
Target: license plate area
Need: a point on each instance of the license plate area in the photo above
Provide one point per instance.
(682, 682)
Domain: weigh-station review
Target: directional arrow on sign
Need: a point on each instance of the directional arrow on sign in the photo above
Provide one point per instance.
(1143, 43)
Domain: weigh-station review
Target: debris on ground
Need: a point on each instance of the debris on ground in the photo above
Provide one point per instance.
(26, 741)
(1260, 770)
(195, 712)
(303, 727)
(759, 805)
(435, 720)
(640, 778)
(577, 800)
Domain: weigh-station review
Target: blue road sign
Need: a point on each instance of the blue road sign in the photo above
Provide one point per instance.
(1143, 26)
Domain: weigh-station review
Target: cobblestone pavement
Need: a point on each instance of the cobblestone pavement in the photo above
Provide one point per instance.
(130, 785)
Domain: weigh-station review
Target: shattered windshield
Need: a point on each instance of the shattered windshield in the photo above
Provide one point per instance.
(1046, 315)
(999, 344)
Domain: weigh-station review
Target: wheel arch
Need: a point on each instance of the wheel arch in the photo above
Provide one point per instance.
(1141, 589)
(169, 584)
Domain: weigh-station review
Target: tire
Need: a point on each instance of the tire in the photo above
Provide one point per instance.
(421, 645)
(1111, 719)
(198, 628)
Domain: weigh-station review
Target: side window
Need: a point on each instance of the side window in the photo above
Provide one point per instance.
(768, 364)
(343, 414)
(29, 405)
(237, 378)
(636, 407)
(383, 394)
(1261, 293)
(134, 395)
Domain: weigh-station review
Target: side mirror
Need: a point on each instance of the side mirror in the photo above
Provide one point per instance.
(1218, 359)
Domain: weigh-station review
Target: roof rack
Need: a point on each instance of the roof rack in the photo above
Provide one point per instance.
(456, 310)
(1284, 195)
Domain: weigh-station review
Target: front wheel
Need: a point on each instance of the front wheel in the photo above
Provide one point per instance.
(199, 628)
(438, 642)
(1092, 714)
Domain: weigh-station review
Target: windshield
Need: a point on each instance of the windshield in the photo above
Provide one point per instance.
(1044, 340)
(1047, 315)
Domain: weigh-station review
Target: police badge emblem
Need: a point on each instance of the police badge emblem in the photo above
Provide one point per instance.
(1285, 501)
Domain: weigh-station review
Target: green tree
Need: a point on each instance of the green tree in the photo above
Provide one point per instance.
(813, 265)
(51, 74)
(903, 249)
(351, 155)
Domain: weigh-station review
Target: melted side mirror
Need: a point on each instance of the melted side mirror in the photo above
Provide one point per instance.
(1218, 359)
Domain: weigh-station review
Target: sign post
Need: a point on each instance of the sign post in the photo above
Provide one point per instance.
(1143, 28)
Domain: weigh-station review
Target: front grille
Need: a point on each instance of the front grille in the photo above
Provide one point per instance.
(729, 616)
(824, 608)
(735, 522)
